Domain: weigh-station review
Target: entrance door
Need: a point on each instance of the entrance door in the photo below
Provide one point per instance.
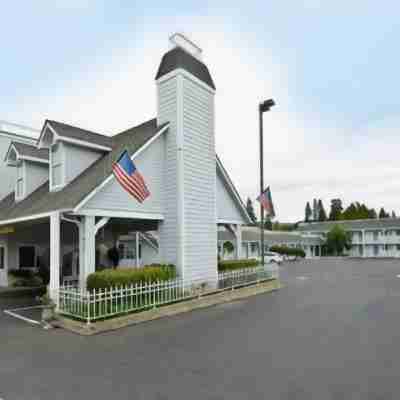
(3, 265)
(70, 267)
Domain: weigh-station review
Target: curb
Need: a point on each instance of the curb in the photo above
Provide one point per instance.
(94, 328)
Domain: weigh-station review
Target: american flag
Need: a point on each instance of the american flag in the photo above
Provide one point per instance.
(265, 199)
(129, 177)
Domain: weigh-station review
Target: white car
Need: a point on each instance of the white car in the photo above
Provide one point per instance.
(271, 257)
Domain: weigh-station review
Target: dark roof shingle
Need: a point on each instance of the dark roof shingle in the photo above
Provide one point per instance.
(179, 58)
(43, 201)
(31, 151)
(74, 132)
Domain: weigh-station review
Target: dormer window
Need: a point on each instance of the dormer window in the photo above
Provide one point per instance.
(20, 184)
(57, 166)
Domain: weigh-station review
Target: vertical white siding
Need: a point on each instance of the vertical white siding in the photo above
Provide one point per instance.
(227, 208)
(150, 163)
(199, 182)
(77, 159)
(36, 175)
(167, 112)
(8, 174)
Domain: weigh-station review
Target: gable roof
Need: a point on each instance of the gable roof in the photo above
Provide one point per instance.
(27, 151)
(43, 201)
(179, 58)
(350, 224)
(233, 190)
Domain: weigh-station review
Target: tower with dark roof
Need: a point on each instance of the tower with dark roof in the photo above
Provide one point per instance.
(185, 99)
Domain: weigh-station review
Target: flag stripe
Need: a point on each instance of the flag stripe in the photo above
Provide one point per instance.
(128, 184)
(121, 180)
(130, 178)
(131, 183)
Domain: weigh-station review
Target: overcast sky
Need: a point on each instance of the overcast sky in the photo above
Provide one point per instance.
(332, 68)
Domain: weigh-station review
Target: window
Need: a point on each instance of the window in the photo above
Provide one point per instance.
(376, 235)
(127, 250)
(57, 178)
(20, 181)
(27, 257)
(2, 258)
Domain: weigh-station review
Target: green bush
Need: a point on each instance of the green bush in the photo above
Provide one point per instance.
(21, 273)
(130, 276)
(228, 265)
(288, 251)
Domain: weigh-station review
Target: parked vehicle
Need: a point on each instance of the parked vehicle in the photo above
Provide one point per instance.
(271, 257)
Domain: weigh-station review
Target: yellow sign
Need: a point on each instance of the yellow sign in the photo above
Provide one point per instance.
(6, 229)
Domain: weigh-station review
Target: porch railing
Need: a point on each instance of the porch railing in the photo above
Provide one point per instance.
(105, 303)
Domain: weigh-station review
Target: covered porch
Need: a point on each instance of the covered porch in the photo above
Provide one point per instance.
(70, 246)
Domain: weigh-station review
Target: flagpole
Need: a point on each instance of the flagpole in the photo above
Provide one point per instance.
(261, 181)
(263, 107)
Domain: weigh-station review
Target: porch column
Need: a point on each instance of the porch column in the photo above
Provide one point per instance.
(238, 232)
(54, 256)
(137, 250)
(89, 255)
(82, 275)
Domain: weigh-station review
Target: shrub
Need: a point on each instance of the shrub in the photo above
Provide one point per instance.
(130, 276)
(44, 274)
(21, 273)
(228, 265)
(228, 247)
(288, 251)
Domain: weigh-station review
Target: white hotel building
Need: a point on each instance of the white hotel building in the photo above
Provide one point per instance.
(370, 237)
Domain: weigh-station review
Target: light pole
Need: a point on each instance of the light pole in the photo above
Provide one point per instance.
(263, 107)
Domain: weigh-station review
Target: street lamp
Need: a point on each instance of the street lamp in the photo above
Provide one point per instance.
(263, 107)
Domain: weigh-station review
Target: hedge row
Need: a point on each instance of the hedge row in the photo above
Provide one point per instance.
(288, 251)
(130, 276)
(228, 265)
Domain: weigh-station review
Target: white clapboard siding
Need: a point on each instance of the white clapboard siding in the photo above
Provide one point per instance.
(227, 206)
(200, 229)
(36, 175)
(8, 174)
(167, 112)
(150, 164)
(78, 159)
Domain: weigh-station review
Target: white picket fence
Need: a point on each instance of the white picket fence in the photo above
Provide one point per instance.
(98, 304)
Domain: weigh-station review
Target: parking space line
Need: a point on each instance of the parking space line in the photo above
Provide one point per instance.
(13, 313)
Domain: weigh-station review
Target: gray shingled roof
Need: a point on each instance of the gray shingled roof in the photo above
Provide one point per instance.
(351, 225)
(43, 201)
(179, 58)
(30, 151)
(74, 132)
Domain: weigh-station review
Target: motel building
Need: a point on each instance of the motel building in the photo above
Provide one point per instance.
(251, 242)
(62, 208)
(370, 237)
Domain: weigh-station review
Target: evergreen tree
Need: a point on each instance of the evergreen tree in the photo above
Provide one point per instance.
(372, 213)
(336, 210)
(268, 224)
(393, 214)
(308, 212)
(250, 210)
(321, 211)
(383, 213)
(315, 210)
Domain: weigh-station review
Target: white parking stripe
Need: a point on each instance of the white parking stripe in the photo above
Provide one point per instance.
(13, 313)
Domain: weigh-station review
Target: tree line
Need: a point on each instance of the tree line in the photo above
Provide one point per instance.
(355, 210)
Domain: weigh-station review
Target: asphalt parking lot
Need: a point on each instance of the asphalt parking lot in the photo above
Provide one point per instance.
(331, 333)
